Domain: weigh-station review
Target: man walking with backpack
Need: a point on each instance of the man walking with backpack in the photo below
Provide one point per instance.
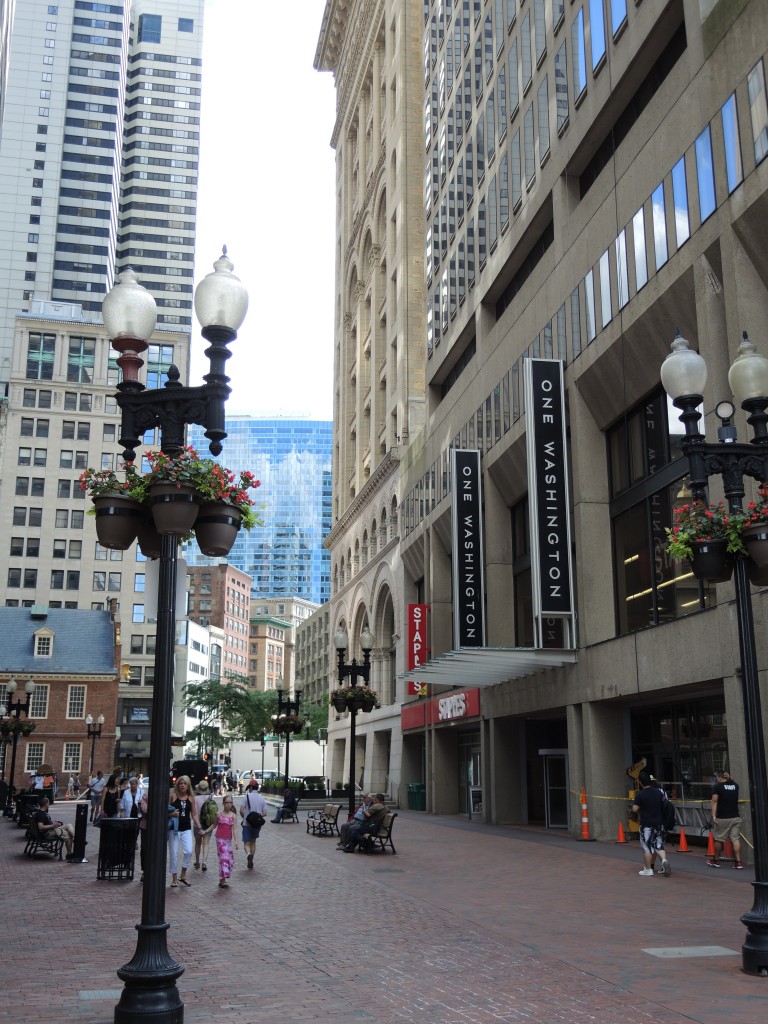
(726, 823)
(648, 806)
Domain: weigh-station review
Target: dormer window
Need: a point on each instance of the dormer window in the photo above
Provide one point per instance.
(44, 643)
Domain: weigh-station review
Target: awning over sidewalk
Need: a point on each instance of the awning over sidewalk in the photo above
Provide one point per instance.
(487, 666)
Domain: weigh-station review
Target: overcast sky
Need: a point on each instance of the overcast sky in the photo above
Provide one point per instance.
(267, 191)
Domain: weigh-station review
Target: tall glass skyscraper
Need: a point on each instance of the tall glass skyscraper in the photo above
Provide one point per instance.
(292, 458)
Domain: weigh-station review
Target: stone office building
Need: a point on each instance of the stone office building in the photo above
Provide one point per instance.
(595, 177)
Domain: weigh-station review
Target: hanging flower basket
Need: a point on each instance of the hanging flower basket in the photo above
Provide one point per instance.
(711, 561)
(174, 507)
(288, 724)
(216, 527)
(117, 520)
(758, 574)
(149, 539)
(755, 539)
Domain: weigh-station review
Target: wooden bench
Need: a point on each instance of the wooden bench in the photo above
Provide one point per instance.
(372, 841)
(325, 822)
(45, 841)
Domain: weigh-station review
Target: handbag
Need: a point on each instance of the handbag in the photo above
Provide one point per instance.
(254, 819)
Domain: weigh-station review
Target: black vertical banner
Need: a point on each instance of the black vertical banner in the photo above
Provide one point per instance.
(548, 489)
(468, 585)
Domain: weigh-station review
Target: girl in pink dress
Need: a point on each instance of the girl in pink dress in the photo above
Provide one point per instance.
(226, 839)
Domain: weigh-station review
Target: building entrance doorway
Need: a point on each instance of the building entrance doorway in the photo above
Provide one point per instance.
(555, 787)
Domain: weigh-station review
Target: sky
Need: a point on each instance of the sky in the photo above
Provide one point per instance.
(267, 192)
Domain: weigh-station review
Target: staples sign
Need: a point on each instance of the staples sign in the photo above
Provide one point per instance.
(454, 706)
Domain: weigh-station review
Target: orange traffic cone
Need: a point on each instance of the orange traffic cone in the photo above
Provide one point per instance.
(621, 837)
(584, 837)
(711, 845)
(683, 843)
(728, 853)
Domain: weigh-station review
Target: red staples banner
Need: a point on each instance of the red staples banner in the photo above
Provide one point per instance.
(416, 653)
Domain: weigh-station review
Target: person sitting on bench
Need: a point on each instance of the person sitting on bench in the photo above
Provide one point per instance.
(373, 815)
(46, 827)
(290, 803)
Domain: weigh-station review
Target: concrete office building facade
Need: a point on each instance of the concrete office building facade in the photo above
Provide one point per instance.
(592, 176)
(595, 176)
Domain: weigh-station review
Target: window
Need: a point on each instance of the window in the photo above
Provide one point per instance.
(43, 645)
(17, 547)
(622, 274)
(597, 30)
(680, 200)
(14, 578)
(651, 588)
(578, 53)
(504, 192)
(526, 60)
(561, 88)
(618, 14)
(33, 756)
(57, 579)
(19, 515)
(514, 89)
(137, 643)
(24, 457)
(39, 701)
(150, 28)
(528, 142)
(589, 306)
(706, 175)
(539, 30)
(76, 701)
(30, 579)
(159, 359)
(113, 581)
(80, 360)
(517, 191)
(73, 579)
(59, 549)
(71, 761)
(63, 488)
(41, 349)
(730, 120)
(605, 289)
(542, 109)
(99, 581)
(758, 110)
(138, 613)
(186, 25)
(659, 226)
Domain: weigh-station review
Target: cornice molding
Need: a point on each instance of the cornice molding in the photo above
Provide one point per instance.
(385, 469)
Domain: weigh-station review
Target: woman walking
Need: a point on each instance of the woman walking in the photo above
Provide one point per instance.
(110, 798)
(207, 818)
(182, 816)
(226, 841)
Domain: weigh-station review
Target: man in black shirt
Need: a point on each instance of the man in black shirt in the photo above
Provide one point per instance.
(647, 806)
(46, 826)
(726, 823)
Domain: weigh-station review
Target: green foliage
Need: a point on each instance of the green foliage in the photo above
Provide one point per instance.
(697, 521)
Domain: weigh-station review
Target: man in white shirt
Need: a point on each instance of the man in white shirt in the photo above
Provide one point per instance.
(98, 782)
(252, 801)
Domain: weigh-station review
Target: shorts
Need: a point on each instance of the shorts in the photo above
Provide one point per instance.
(250, 835)
(652, 838)
(726, 828)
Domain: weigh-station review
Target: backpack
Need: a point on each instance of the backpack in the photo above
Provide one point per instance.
(209, 813)
(667, 814)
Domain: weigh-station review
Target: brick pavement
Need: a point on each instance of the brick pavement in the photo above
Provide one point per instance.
(468, 924)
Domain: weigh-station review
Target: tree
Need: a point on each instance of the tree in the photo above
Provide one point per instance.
(243, 713)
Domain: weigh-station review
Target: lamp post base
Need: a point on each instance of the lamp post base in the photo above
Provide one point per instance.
(754, 952)
(150, 994)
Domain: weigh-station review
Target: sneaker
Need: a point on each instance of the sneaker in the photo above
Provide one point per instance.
(712, 863)
(666, 870)
(646, 871)
(738, 865)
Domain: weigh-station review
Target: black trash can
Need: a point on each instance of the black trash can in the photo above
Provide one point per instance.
(117, 848)
(417, 796)
(26, 805)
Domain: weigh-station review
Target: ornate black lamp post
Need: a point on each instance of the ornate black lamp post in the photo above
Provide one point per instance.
(14, 710)
(286, 706)
(94, 733)
(221, 301)
(263, 742)
(351, 701)
(684, 376)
